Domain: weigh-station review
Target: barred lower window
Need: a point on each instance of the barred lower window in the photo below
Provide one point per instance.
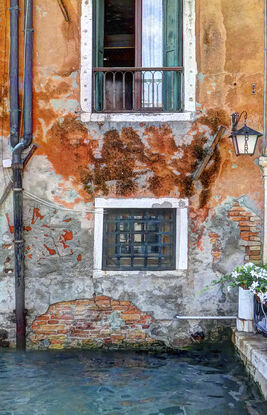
(139, 239)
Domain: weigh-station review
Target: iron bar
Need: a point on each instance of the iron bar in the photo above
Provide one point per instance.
(139, 69)
(104, 92)
(144, 89)
(114, 89)
(123, 90)
(153, 89)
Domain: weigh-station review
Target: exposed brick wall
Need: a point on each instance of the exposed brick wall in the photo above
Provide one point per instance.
(96, 322)
(250, 227)
(216, 246)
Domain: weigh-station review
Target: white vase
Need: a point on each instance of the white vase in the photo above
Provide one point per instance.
(245, 321)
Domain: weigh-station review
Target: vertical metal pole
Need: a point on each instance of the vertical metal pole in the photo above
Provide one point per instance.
(17, 166)
(28, 71)
(14, 73)
(19, 257)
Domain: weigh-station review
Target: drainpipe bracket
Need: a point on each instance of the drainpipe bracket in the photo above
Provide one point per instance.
(16, 8)
(15, 110)
(29, 29)
(20, 241)
(18, 189)
(17, 166)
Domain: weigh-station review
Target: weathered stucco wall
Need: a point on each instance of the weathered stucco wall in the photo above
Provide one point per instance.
(76, 162)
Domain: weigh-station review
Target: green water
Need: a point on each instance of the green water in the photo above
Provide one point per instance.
(207, 381)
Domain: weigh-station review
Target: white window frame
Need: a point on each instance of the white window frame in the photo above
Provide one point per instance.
(189, 63)
(181, 206)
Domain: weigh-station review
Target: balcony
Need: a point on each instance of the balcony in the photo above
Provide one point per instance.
(132, 89)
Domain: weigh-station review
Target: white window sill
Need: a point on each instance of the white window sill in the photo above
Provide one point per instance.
(138, 117)
(140, 274)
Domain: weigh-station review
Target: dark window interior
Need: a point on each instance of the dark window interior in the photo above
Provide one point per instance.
(119, 40)
(139, 239)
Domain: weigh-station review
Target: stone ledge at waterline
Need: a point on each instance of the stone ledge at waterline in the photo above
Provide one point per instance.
(253, 351)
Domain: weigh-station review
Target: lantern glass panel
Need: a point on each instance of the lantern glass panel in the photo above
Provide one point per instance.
(246, 144)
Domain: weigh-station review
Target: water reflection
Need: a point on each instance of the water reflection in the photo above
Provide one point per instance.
(209, 382)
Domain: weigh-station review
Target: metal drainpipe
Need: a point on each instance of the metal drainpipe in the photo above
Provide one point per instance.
(17, 165)
(265, 79)
(14, 73)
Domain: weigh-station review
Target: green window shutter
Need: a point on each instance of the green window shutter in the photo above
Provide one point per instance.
(98, 18)
(172, 53)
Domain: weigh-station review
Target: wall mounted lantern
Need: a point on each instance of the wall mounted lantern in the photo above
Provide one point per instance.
(245, 139)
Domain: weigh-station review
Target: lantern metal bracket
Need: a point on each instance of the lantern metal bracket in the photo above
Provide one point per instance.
(236, 118)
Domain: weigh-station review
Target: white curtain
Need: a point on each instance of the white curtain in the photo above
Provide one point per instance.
(152, 51)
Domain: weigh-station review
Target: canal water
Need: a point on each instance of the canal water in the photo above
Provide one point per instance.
(205, 381)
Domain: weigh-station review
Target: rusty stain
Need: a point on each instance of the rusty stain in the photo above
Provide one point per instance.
(79, 257)
(50, 250)
(36, 215)
(67, 235)
(11, 227)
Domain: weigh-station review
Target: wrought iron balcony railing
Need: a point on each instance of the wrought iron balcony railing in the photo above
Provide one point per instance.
(137, 89)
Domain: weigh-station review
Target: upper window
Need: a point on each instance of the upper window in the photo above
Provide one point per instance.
(138, 60)
(137, 55)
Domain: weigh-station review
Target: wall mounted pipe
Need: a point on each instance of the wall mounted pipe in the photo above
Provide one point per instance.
(14, 73)
(17, 166)
(28, 33)
(265, 80)
(206, 317)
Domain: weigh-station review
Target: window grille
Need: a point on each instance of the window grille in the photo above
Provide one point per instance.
(139, 239)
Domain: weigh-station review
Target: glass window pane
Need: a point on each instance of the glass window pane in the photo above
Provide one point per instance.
(138, 237)
(126, 262)
(152, 52)
(138, 263)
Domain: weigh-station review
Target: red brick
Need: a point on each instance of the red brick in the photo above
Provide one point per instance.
(254, 253)
(101, 303)
(101, 297)
(248, 234)
(56, 341)
(236, 213)
(130, 317)
(132, 309)
(81, 302)
(244, 228)
(213, 235)
(125, 303)
(237, 218)
(62, 331)
(53, 322)
(43, 318)
(65, 317)
(256, 258)
(115, 302)
(246, 223)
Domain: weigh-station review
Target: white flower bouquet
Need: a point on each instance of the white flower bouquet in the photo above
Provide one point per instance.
(249, 277)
